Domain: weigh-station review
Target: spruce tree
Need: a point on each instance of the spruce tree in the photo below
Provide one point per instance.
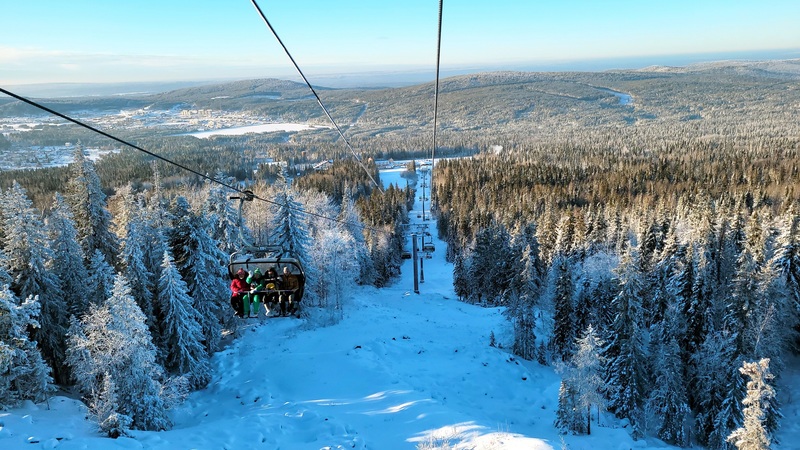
(785, 265)
(68, 258)
(587, 363)
(30, 260)
(564, 335)
(522, 308)
(223, 219)
(713, 363)
(133, 259)
(101, 279)
(336, 269)
(461, 284)
(490, 272)
(105, 410)
(569, 415)
(88, 202)
(181, 332)
(670, 398)
(626, 369)
(113, 340)
(23, 372)
(754, 435)
(201, 264)
(351, 220)
(290, 231)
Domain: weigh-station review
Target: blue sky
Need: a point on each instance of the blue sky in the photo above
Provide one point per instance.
(113, 41)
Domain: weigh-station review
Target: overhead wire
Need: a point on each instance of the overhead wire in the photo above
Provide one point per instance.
(176, 164)
(319, 100)
(436, 95)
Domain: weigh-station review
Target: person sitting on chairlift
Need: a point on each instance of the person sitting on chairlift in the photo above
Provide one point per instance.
(253, 299)
(239, 289)
(290, 286)
(272, 283)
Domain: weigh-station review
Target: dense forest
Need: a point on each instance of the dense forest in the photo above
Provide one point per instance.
(661, 271)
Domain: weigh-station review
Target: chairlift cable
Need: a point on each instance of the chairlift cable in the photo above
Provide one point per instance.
(168, 161)
(319, 100)
(436, 96)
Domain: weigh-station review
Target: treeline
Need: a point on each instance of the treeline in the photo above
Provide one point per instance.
(240, 157)
(655, 274)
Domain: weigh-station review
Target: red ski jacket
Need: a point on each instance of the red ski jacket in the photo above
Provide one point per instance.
(239, 286)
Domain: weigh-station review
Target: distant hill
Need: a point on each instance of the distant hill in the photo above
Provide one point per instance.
(713, 97)
(783, 69)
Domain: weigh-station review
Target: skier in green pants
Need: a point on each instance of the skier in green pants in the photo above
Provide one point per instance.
(251, 300)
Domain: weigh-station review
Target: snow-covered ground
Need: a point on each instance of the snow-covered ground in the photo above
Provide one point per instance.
(401, 371)
(264, 128)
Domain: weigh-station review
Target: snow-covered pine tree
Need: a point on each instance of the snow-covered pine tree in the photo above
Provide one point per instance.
(649, 241)
(181, 333)
(587, 365)
(569, 415)
(627, 368)
(461, 284)
(5, 277)
(223, 221)
(565, 235)
(742, 328)
(785, 265)
(664, 266)
(155, 220)
(101, 279)
(754, 435)
(336, 269)
(700, 301)
(120, 211)
(202, 266)
(291, 233)
(713, 362)
(23, 372)
(546, 233)
(351, 220)
(317, 206)
(381, 248)
(490, 269)
(290, 230)
(26, 246)
(597, 234)
(104, 410)
(745, 293)
(88, 203)
(564, 335)
(113, 339)
(669, 397)
(68, 258)
(133, 260)
(729, 415)
(521, 311)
